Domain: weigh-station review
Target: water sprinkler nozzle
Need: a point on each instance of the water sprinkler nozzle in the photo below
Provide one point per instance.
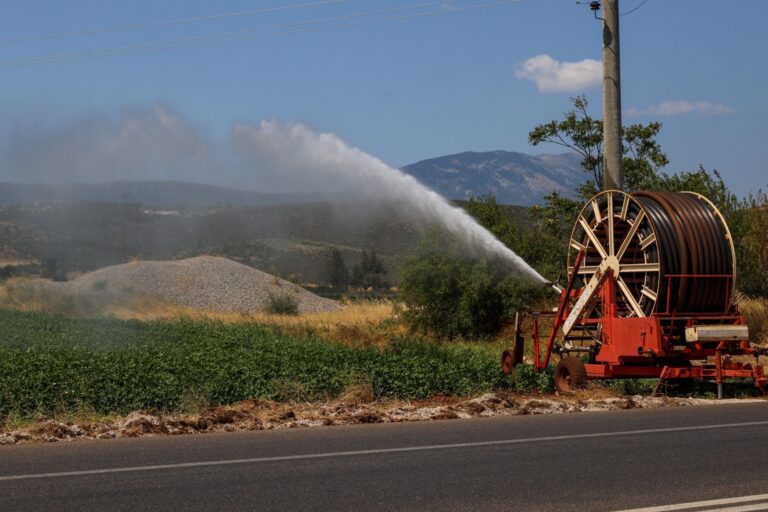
(555, 286)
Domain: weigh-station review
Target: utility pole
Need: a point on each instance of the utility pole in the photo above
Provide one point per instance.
(612, 147)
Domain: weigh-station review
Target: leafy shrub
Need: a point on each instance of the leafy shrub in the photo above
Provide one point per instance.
(452, 293)
(632, 386)
(526, 379)
(282, 304)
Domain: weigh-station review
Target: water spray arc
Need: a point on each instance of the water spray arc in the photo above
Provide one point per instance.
(294, 147)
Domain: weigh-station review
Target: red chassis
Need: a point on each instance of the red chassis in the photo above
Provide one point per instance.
(655, 346)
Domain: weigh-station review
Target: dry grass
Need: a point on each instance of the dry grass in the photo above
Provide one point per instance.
(80, 416)
(24, 294)
(353, 316)
(756, 311)
(352, 409)
(359, 324)
(16, 262)
(356, 324)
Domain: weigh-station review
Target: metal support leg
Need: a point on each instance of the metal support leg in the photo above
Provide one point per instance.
(662, 377)
(719, 374)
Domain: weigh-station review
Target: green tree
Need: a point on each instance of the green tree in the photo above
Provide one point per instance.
(370, 272)
(643, 157)
(580, 132)
(52, 270)
(753, 247)
(338, 273)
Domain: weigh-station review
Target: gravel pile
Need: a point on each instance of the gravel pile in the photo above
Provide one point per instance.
(207, 283)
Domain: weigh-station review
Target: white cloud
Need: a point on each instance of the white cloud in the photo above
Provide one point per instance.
(551, 75)
(680, 107)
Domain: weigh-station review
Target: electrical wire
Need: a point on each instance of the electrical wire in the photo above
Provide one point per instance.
(634, 9)
(179, 21)
(236, 36)
(212, 38)
(227, 35)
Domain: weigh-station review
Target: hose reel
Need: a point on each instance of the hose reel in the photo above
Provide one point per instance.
(674, 251)
(651, 279)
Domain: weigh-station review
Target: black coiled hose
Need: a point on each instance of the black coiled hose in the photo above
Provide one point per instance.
(692, 241)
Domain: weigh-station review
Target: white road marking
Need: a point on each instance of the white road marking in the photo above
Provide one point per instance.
(406, 449)
(711, 503)
(745, 508)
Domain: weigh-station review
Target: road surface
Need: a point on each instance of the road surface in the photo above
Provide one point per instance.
(653, 460)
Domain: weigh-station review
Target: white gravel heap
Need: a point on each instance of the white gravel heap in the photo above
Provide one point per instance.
(206, 282)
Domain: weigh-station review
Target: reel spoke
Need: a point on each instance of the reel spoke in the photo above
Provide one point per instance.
(592, 238)
(611, 238)
(630, 234)
(629, 297)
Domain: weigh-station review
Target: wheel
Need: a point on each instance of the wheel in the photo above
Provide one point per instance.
(570, 374)
(614, 223)
(508, 361)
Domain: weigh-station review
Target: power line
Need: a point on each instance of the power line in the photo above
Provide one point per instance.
(236, 36)
(179, 21)
(159, 45)
(635, 8)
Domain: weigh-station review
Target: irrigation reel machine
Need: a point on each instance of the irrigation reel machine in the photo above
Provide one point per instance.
(649, 294)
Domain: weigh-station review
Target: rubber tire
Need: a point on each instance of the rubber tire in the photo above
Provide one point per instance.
(570, 375)
(508, 362)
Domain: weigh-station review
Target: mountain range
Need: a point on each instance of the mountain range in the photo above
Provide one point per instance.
(514, 178)
(152, 194)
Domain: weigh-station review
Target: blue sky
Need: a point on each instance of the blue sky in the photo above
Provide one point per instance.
(409, 89)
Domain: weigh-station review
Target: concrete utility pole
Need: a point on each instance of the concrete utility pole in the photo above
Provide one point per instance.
(612, 147)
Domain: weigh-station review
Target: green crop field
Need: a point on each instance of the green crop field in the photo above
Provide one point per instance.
(51, 364)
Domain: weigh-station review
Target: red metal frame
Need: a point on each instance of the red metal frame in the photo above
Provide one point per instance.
(651, 347)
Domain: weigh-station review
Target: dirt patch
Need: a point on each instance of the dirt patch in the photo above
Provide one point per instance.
(267, 415)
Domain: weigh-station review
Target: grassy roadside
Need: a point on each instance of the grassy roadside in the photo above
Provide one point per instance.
(172, 360)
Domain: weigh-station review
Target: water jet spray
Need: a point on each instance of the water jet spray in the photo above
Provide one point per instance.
(295, 148)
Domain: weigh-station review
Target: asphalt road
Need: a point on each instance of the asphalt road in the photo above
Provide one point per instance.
(585, 461)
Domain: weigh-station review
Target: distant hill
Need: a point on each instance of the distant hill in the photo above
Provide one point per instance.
(153, 194)
(514, 178)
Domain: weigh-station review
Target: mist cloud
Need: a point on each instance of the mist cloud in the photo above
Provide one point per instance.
(140, 144)
(157, 143)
